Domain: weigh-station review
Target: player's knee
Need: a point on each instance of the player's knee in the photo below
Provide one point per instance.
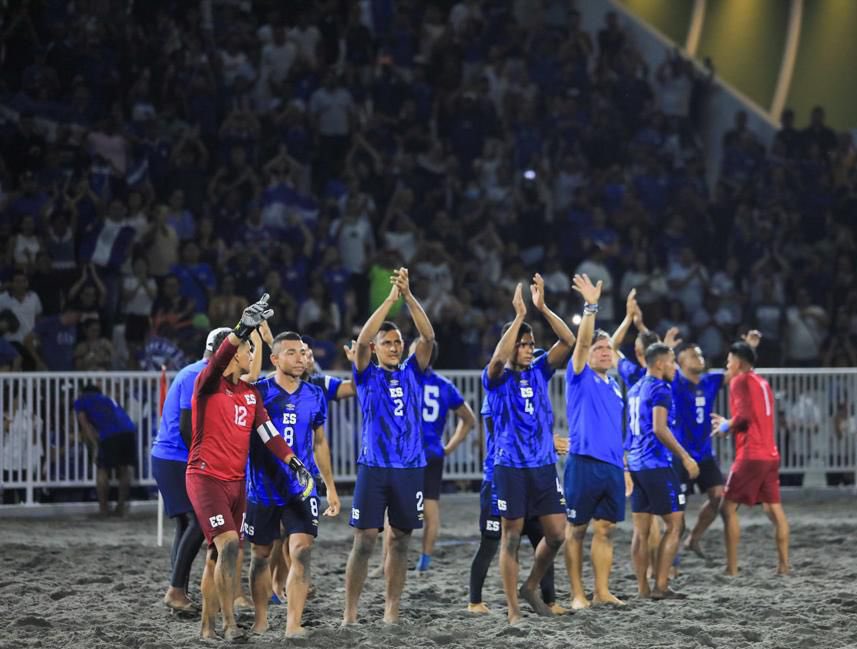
(554, 541)
(261, 551)
(577, 532)
(511, 542)
(363, 545)
(604, 529)
(302, 555)
(229, 551)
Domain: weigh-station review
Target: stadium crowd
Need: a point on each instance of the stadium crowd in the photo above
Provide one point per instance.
(162, 165)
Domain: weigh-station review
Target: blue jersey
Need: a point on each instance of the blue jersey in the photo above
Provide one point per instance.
(488, 427)
(391, 404)
(329, 384)
(439, 397)
(295, 416)
(169, 445)
(630, 372)
(594, 407)
(693, 406)
(522, 415)
(105, 415)
(645, 450)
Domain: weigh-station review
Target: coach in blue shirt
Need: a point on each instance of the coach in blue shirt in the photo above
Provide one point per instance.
(391, 461)
(594, 483)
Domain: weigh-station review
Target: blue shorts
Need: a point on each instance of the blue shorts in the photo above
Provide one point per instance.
(657, 491)
(399, 492)
(528, 493)
(262, 522)
(433, 478)
(593, 489)
(489, 515)
(170, 476)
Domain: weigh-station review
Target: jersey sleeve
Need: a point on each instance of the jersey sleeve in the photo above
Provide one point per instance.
(740, 403)
(185, 388)
(542, 365)
(490, 385)
(662, 396)
(629, 371)
(452, 396)
(209, 378)
(320, 416)
(713, 382)
(413, 365)
(79, 405)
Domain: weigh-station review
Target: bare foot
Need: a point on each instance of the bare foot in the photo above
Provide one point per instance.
(784, 570)
(532, 598)
(731, 573)
(243, 602)
(391, 618)
(558, 609)
(645, 594)
(377, 573)
(279, 591)
(259, 627)
(694, 546)
(299, 632)
(349, 617)
(178, 601)
(674, 572)
(207, 632)
(609, 599)
(579, 603)
(515, 617)
(233, 634)
(669, 593)
(478, 609)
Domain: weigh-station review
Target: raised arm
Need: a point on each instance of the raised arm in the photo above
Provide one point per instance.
(558, 354)
(591, 294)
(631, 309)
(363, 353)
(505, 349)
(466, 421)
(418, 315)
(321, 451)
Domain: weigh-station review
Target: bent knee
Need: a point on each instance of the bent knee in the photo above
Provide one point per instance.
(604, 529)
(260, 551)
(511, 542)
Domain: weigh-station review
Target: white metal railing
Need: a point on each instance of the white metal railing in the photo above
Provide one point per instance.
(42, 447)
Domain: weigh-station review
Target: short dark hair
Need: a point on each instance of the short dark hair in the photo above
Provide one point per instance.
(219, 338)
(286, 335)
(744, 351)
(648, 338)
(683, 347)
(386, 326)
(598, 334)
(90, 388)
(523, 331)
(655, 351)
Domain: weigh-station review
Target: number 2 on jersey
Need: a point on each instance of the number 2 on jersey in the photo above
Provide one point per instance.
(397, 394)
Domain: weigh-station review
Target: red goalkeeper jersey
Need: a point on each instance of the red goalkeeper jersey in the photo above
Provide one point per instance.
(751, 404)
(224, 416)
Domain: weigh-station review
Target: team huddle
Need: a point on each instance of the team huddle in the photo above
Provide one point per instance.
(223, 482)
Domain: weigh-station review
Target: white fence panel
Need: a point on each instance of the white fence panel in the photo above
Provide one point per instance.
(42, 447)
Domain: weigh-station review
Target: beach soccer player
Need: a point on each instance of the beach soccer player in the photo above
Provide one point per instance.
(657, 489)
(298, 410)
(754, 477)
(391, 462)
(524, 465)
(226, 411)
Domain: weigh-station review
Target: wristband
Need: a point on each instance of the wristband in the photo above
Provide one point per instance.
(724, 426)
(243, 331)
(590, 308)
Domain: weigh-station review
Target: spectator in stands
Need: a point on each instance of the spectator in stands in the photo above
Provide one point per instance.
(94, 352)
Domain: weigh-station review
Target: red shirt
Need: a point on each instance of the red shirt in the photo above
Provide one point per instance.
(751, 402)
(224, 416)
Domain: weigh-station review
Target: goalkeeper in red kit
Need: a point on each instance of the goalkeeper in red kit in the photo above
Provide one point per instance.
(754, 478)
(226, 411)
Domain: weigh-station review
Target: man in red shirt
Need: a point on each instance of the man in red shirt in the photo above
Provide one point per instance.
(225, 412)
(754, 477)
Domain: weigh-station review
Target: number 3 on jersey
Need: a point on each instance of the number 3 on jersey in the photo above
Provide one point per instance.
(397, 395)
(527, 395)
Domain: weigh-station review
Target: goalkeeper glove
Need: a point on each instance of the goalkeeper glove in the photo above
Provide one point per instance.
(304, 477)
(253, 316)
